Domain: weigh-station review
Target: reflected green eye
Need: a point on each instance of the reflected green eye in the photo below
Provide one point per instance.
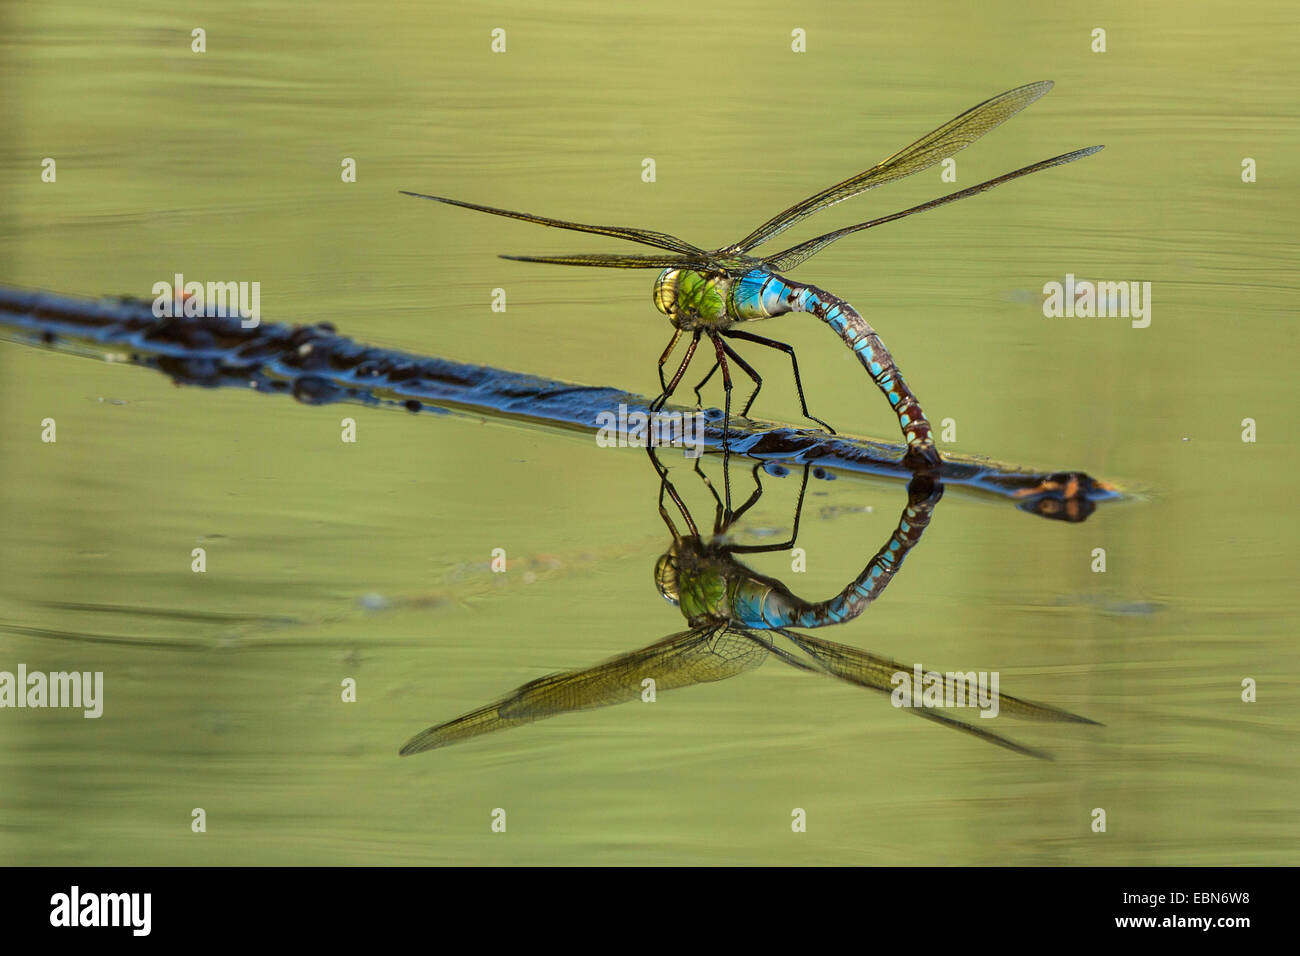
(666, 577)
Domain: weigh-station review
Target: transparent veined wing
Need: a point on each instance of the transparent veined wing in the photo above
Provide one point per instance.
(937, 145)
(703, 654)
(877, 673)
(604, 261)
(789, 258)
(647, 237)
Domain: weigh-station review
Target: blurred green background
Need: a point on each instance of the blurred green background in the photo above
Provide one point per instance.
(222, 689)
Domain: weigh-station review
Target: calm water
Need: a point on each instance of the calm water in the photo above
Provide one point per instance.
(371, 560)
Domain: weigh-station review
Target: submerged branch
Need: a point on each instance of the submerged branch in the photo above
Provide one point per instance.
(317, 366)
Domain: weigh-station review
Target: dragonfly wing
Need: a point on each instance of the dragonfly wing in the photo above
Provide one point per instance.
(975, 730)
(789, 258)
(647, 237)
(877, 673)
(955, 135)
(700, 655)
(617, 261)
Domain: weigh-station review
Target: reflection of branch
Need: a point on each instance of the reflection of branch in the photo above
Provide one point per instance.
(317, 366)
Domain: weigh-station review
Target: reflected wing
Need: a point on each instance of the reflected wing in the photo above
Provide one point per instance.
(618, 262)
(869, 670)
(784, 261)
(700, 655)
(955, 135)
(647, 237)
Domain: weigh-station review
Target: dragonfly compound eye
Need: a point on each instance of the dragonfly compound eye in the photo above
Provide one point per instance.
(666, 577)
(666, 291)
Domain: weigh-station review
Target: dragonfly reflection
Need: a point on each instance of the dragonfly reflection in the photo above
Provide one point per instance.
(737, 619)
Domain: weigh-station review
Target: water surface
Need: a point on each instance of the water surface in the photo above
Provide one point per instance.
(371, 560)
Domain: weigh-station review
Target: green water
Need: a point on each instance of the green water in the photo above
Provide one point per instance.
(222, 689)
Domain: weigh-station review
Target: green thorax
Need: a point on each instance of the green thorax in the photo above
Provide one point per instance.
(695, 581)
(707, 584)
(700, 300)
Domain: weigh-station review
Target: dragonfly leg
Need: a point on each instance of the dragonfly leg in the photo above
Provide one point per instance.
(672, 343)
(718, 516)
(733, 516)
(667, 486)
(794, 363)
(723, 517)
(748, 370)
(719, 348)
(699, 399)
(671, 387)
(794, 532)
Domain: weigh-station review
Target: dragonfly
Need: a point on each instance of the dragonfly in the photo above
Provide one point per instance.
(737, 619)
(708, 293)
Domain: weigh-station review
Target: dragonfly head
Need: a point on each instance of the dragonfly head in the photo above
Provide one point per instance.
(692, 296)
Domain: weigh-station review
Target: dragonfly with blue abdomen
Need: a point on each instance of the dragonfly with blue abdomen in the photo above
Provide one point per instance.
(709, 292)
(737, 619)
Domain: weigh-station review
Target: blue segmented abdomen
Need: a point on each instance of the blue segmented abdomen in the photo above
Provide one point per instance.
(763, 604)
(760, 294)
(868, 585)
(853, 329)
